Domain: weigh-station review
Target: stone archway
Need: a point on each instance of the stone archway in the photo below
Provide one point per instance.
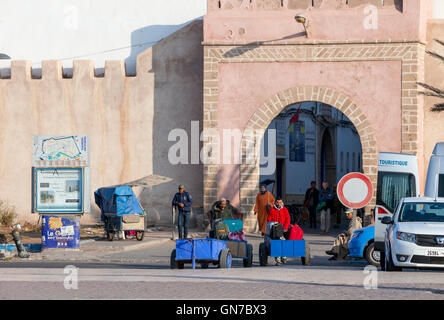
(249, 173)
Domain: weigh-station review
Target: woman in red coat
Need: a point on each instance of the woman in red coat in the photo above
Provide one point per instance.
(278, 213)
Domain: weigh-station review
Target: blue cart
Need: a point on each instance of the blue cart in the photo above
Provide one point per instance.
(202, 251)
(121, 211)
(284, 248)
(239, 249)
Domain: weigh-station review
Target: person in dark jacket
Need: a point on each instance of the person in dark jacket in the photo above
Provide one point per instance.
(311, 202)
(183, 201)
(325, 204)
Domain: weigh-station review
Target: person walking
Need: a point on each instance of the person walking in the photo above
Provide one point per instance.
(183, 201)
(264, 202)
(325, 199)
(311, 202)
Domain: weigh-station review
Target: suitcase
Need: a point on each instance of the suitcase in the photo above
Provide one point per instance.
(275, 230)
(234, 225)
(295, 233)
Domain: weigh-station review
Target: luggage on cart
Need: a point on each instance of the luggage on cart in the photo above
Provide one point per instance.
(275, 230)
(221, 231)
(239, 235)
(295, 233)
(234, 225)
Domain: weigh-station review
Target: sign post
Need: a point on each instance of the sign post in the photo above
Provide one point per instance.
(355, 191)
(60, 187)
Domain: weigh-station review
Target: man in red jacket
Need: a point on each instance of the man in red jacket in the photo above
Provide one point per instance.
(278, 213)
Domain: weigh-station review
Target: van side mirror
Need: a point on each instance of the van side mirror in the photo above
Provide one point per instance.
(387, 220)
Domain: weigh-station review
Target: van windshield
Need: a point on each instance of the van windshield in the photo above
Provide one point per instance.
(392, 186)
(422, 212)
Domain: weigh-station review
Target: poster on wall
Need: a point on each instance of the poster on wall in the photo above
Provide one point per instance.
(297, 141)
(70, 148)
(58, 190)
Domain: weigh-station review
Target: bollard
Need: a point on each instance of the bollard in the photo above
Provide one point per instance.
(22, 253)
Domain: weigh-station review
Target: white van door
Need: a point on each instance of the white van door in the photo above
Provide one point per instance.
(397, 178)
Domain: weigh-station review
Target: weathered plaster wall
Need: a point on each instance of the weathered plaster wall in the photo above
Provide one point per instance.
(127, 119)
(434, 76)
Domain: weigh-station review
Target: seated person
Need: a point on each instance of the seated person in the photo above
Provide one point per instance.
(340, 245)
(278, 213)
(222, 209)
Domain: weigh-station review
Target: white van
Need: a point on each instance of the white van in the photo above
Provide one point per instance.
(397, 178)
(435, 174)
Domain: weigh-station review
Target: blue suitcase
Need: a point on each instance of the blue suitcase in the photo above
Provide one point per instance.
(234, 225)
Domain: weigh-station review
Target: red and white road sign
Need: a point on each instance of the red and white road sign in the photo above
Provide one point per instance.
(355, 190)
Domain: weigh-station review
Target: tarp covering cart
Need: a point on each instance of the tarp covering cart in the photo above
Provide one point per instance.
(121, 211)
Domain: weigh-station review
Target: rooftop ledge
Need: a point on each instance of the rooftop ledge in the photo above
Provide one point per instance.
(246, 21)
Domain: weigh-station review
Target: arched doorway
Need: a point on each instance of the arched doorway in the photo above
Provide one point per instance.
(250, 172)
(328, 161)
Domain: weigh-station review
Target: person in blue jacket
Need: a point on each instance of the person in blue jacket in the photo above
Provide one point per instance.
(183, 201)
(324, 205)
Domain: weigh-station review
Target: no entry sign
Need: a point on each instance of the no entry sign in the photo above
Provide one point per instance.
(355, 190)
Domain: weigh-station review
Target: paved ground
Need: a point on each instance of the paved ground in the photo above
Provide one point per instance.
(132, 270)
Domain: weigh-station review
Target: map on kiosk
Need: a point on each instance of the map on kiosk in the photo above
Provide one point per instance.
(62, 148)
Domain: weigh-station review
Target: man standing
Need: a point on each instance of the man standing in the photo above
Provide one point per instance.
(340, 245)
(311, 202)
(279, 214)
(325, 199)
(264, 201)
(183, 201)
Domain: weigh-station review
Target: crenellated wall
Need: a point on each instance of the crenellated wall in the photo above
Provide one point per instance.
(126, 118)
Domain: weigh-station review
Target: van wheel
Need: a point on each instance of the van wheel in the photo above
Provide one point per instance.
(373, 257)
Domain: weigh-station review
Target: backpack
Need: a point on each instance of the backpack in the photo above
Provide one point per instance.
(275, 230)
(295, 233)
(221, 231)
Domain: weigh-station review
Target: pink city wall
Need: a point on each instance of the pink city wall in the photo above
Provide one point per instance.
(374, 86)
